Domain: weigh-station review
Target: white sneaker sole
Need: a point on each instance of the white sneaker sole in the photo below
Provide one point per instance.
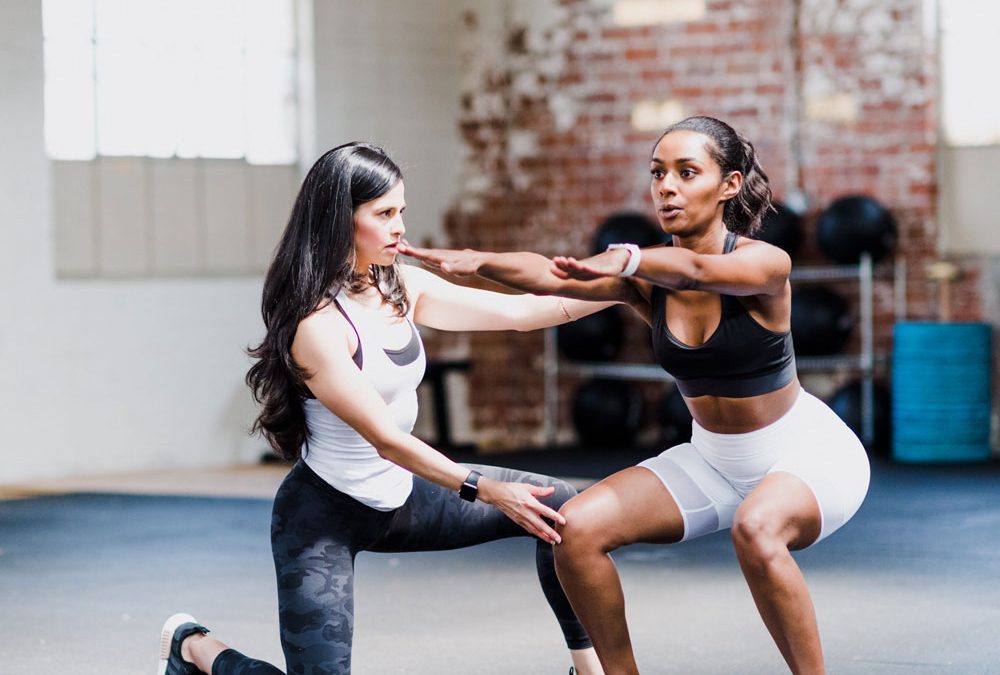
(167, 636)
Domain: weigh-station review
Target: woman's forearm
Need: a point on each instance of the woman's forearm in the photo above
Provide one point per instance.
(523, 271)
(544, 311)
(417, 457)
(532, 273)
(518, 501)
(669, 267)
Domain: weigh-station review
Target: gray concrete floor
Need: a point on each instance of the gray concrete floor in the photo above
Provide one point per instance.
(911, 585)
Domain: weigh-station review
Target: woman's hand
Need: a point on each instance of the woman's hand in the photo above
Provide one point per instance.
(607, 264)
(519, 501)
(459, 263)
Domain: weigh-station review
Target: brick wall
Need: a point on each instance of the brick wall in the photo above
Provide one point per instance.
(837, 95)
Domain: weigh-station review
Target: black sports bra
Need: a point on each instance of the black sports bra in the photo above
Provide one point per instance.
(740, 359)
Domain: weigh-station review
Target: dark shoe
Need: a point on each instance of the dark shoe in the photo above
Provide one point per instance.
(572, 670)
(175, 630)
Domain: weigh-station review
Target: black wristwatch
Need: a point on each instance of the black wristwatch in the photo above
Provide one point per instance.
(470, 488)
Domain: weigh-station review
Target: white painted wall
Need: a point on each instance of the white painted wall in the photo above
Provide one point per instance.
(100, 376)
(389, 72)
(968, 215)
(103, 376)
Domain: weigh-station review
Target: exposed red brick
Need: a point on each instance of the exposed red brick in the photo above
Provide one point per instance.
(733, 64)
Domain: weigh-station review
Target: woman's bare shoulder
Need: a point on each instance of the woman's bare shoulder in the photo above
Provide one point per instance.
(324, 326)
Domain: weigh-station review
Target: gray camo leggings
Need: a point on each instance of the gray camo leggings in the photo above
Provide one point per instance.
(316, 532)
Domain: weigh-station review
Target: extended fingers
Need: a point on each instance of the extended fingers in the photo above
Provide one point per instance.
(529, 517)
(430, 258)
(540, 508)
(544, 531)
(558, 272)
(428, 255)
(431, 255)
(550, 513)
(571, 268)
(412, 251)
(568, 267)
(569, 264)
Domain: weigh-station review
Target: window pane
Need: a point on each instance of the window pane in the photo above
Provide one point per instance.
(122, 86)
(163, 78)
(216, 99)
(970, 100)
(68, 28)
(68, 19)
(271, 95)
(69, 100)
(270, 25)
(270, 107)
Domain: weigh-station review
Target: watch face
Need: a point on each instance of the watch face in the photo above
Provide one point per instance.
(470, 488)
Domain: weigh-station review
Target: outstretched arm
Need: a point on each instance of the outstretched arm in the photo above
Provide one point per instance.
(754, 268)
(528, 272)
(523, 271)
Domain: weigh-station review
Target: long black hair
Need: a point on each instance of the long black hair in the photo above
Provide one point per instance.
(732, 152)
(315, 259)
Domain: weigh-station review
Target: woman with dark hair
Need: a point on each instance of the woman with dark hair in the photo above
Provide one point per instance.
(766, 459)
(336, 377)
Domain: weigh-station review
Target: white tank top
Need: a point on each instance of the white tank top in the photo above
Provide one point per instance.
(338, 453)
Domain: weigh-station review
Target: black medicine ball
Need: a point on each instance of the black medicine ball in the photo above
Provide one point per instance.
(627, 228)
(782, 228)
(853, 225)
(597, 337)
(821, 321)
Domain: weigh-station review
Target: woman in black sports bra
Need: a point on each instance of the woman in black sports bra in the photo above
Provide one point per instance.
(766, 459)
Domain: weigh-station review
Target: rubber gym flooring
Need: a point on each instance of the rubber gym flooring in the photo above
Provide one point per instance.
(911, 585)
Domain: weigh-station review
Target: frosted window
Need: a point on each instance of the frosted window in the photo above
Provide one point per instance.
(170, 78)
(970, 87)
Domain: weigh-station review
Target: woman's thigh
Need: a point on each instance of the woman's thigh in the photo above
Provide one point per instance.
(632, 505)
(315, 535)
(704, 499)
(830, 459)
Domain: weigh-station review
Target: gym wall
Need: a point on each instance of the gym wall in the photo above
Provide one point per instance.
(126, 374)
(838, 98)
(101, 376)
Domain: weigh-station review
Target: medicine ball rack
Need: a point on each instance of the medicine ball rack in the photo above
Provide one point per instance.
(864, 361)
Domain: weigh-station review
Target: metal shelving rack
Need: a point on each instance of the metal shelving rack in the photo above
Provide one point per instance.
(864, 361)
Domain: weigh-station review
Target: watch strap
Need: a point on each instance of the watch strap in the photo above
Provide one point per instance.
(634, 256)
(470, 488)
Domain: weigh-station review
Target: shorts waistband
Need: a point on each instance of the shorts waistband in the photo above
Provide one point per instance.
(801, 400)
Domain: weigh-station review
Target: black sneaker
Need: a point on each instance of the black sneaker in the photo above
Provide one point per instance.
(175, 630)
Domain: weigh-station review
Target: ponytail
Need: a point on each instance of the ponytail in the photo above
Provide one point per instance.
(744, 212)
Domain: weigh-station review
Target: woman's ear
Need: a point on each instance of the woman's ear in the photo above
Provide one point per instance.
(731, 185)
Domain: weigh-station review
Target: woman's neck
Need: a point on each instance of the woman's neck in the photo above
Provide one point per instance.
(367, 294)
(710, 240)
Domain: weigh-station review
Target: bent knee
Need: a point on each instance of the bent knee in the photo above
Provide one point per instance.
(758, 531)
(587, 526)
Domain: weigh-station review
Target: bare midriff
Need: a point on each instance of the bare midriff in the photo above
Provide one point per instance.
(723, 415)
